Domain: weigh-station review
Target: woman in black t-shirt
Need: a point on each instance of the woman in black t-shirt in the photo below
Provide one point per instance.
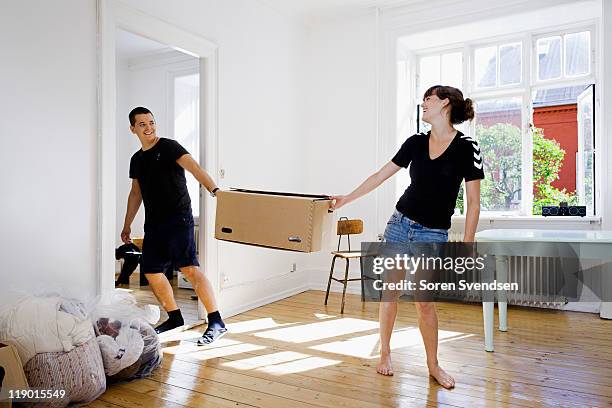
(439, 161)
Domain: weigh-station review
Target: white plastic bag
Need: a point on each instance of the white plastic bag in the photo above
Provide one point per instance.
(129, 345)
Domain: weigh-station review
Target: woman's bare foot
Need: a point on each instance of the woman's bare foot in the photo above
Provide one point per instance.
(442, 377)
(384, 365)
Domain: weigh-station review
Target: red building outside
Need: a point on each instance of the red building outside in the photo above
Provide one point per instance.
(560, 123)
(556, 112)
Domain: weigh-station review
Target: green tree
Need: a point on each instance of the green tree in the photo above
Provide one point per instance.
(501, 150)
(500, 145)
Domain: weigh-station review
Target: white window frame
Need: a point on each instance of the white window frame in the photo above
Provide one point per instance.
(438, 52)
(562, 33)
(525, 89)
(499, 43)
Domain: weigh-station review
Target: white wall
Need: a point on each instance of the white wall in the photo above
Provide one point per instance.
(48, 153)
(342, 124)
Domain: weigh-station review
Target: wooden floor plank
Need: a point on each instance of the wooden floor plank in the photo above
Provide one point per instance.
(183, 395)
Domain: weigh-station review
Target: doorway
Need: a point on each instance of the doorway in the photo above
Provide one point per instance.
(165, 81)
(115, 20)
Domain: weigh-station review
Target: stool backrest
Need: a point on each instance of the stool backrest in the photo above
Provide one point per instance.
(348, 227)
(138, 242)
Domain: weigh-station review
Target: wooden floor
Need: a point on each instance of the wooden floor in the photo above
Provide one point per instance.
(299, 353)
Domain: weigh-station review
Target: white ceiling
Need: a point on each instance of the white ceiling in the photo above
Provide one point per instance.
(502, 26)
(130, 45)
(309, 10)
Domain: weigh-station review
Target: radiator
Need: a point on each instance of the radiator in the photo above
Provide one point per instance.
(533, 274)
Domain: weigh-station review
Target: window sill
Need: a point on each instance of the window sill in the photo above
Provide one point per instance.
(531, 219)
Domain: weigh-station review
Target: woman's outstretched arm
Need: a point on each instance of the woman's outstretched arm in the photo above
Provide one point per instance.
(368, 185)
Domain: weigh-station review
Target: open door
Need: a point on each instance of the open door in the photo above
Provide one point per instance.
(585, 160)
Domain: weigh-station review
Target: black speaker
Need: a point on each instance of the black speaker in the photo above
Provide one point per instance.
(548, 210)
(577, 210)
(564, 210)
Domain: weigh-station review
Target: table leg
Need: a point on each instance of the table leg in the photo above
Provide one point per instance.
(501, 271)
(487, 314)
(605, 311)
(488, 302)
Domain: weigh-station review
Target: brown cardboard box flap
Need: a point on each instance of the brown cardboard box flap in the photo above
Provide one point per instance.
(14, 377)
(278, 193)
(273, 219)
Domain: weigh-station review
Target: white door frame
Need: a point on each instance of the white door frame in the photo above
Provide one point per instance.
(111, 15)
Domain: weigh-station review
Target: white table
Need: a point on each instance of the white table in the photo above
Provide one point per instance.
(594, 244)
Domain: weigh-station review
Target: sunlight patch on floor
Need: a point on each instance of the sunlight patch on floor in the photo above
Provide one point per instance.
(267, 359)
(218, 349)
(299, 366)
(255, 324)
(368, 346)
(285, 362)
(323, 316)
(319, 331)
(454, 338)
(173, 335)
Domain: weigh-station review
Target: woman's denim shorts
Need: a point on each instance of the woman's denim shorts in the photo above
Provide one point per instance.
(401, 229)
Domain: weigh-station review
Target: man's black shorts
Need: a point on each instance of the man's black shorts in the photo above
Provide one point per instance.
(171, 243)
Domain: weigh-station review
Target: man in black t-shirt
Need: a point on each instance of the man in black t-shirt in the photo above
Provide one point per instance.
(157, 171)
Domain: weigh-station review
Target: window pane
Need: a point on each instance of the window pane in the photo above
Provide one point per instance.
(589, 182)
(549, 58)
(452, 69)
(498, 131)
(429, 74)
(485, 67)
(510, 64)
(586, 152)
(555, 146)
(404, 112)
(577, 51)
(186, 127)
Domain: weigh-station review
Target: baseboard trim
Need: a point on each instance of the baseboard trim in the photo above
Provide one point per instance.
(232, 311)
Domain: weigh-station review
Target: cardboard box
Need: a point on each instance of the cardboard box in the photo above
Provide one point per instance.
(271, 219)
(14, 377)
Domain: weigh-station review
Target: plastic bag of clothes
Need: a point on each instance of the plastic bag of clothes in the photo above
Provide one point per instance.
(129, 345)
(44, 324)
(56, 343)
